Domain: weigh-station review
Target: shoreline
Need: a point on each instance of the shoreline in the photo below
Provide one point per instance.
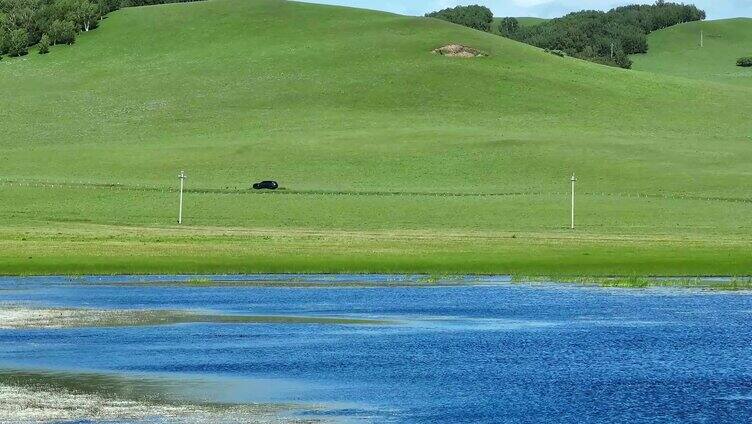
(40, 395)
(102, 249)
(363, 280)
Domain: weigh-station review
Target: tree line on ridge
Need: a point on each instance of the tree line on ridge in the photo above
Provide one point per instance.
(604, 37)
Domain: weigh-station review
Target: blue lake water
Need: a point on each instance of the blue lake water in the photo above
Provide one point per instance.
(484, 351)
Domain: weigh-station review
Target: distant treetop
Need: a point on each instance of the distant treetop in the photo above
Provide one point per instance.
(477, 17)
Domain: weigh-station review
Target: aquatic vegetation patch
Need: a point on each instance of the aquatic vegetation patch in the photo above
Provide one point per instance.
(42, 396)
(34, 405)
(199, 282)
(637, 282)
(444, 279)
(298, 281)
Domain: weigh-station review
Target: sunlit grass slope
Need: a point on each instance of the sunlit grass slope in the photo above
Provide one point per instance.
(523, 21)
(373, 138)
(677, 51)
(530, 20)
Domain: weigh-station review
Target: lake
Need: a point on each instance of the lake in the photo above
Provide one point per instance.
(369, 349)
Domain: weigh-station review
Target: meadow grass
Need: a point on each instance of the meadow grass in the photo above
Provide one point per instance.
(522, 20)
(676, 51)
(81, 248)
(392, 159)
(530, 20)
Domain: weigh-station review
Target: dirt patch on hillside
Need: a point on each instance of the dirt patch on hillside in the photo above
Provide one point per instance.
(458, 50)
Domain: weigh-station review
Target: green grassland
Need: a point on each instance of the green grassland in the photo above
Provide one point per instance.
(392, 159)
(523, 21)
(677, 51)
(530, 20)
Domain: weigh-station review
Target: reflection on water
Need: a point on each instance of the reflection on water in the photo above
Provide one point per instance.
(183, 389)
(15, 316)
(445, 324)
(482, 351)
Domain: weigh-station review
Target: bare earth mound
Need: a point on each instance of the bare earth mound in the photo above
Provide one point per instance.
(458, 50)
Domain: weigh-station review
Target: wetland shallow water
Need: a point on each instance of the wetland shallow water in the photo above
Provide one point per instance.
(369, 349)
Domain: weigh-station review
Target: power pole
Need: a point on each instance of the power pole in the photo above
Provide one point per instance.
(574, 180)
(702, 39)
(182, 177)
(612, 50)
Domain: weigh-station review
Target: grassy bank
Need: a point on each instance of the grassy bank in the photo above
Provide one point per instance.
(97, 249)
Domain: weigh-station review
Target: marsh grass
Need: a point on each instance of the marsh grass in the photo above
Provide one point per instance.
(441, 278)
(200, 282)
(640, 282)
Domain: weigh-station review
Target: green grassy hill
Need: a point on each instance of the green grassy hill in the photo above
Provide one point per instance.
(393, 158)
(530, 20)
(677, 51)
(523, 20)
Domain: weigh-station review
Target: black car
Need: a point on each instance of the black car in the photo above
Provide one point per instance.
(266, 185)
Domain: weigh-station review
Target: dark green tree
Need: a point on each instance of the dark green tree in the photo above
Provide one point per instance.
(23, 23)
(477, 17)
(62, 32)
(607, 37)
(81, 12)
(17, 42)
(508, 27)
(106, 6)
(44, 44)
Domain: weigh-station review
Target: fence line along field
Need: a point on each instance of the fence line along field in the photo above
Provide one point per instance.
(390, 158)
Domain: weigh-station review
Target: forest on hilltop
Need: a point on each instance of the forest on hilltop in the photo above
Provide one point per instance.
(604, 37)
(25, 23)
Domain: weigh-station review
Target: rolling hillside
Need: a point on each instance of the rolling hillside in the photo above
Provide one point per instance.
(677, 51)
(523, 20)
(530, 21)
(393, 158)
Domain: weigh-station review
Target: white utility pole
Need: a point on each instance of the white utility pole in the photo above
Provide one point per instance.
(182, 177)
(702, 39)
(574, 180)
